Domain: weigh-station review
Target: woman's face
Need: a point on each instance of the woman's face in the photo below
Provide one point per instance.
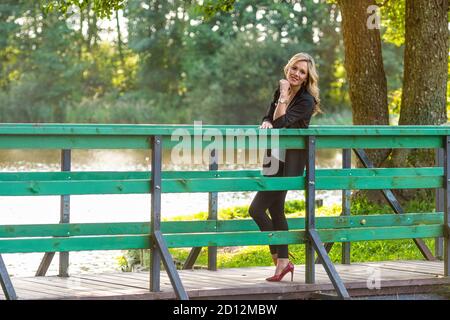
(297, 73)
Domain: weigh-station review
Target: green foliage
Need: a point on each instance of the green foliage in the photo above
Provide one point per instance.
(124, 264)
(343, 117)
(133, 107)
(103, 8)
(393, 13)
(210, 7)
(173, 66)
(362, 206)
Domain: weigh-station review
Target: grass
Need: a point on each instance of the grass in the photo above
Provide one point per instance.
(238, 257)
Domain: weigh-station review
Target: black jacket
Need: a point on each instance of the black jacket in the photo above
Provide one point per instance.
(298, 113)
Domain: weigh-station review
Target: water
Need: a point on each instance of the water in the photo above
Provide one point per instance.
(112, 208)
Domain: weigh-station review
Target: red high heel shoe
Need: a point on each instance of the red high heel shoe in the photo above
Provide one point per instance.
(279, 277)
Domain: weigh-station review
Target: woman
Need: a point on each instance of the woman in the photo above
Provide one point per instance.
(294, 102)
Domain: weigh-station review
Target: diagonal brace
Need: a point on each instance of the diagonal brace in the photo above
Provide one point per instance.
(192, 257)
(170, 266)
(5, 282)
(328, 265)
(395, 205)
(45, 264)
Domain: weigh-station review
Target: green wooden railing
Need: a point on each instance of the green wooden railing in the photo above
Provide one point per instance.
(158, 236)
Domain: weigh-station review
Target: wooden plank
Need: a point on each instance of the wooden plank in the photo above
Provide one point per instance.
(140, 228)
(422, 265)
(168, 129)
(215, 239)
(77, 286)
(53, 288)
(136, 183)
(74, 244)
(78, 282)
(73, 142)
(145, 175)
(375, 183)
(414, 268)
(108, 280)
(128, 175)
(348, 140)
(41, 188)
(24, 289)
(296, 237)
(296, 183)
(378, 142)
(86, 187)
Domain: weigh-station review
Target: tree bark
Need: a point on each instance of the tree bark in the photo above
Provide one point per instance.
(365, 71)
(424, 78)
(425, 74)
(119, 42)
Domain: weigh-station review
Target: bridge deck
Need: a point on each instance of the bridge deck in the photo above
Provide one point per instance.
(397, 277)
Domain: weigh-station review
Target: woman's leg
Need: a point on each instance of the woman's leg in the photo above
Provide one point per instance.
(257, 210)
(294, 166)
(279, 221)
(261, 202)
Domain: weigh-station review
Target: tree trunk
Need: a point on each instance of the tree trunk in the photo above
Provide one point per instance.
(365, 71)
(425, 77)
(425, 74)
(119, 42)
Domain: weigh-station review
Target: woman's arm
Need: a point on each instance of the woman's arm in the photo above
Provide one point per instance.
(282, 102)
(271, 109)
(302, 109)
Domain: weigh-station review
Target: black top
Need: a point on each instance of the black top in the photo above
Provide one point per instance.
(298, 113)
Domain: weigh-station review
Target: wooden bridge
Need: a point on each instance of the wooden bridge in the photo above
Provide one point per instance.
(215, 140)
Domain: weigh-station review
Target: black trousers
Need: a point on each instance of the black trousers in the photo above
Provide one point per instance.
(273, 201)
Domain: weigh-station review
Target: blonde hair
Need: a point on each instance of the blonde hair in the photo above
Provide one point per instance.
(312, 82)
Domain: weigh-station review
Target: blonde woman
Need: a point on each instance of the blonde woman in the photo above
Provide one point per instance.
(294, 103)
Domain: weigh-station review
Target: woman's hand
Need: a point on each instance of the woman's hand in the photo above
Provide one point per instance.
(284, 87)
(266, 125)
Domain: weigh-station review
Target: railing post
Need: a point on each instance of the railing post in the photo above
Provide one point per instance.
(346, 164)
(155, 221)
(447, 206)
(66, 155)
(65, 213)
(310, 221)
(313, 242)
(159, 250)
(212, 212)
(439, 241)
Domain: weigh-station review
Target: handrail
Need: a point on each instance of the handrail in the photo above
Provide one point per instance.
(154, 129)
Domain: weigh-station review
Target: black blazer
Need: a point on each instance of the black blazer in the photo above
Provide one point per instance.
(298, 113)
